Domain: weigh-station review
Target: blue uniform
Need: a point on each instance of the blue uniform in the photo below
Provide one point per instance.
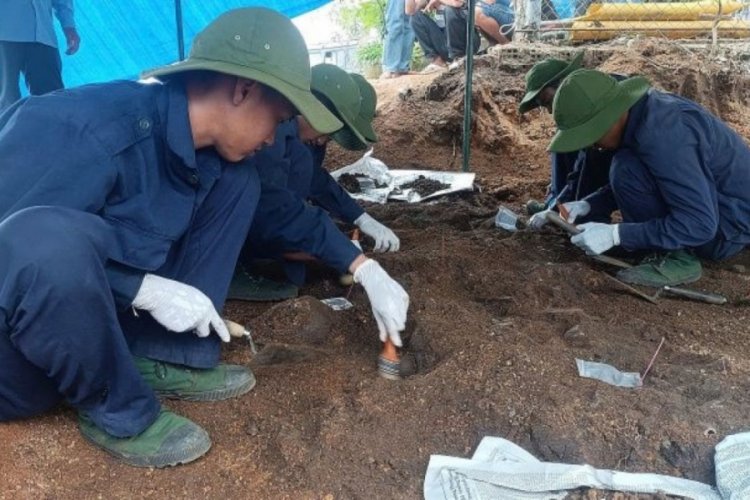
(102, 184)
(578, 174)
(681, 178)
(290, 165)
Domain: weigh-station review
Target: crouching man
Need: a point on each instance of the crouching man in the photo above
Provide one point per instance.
(679, 175)
(123, 209)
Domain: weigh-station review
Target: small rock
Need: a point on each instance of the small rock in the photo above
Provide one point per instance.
(739, 269)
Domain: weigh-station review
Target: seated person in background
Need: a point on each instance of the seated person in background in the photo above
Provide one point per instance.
(679, 175)
(294, 163)
(430, 31)
(495, 19)
(455, 28)
(576, 174)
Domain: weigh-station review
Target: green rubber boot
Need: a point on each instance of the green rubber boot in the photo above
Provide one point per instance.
(670, 269)
(245, 286)
(170, 440)
(193, 384)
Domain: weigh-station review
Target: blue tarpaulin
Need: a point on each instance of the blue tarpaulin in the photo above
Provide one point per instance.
(121, 39)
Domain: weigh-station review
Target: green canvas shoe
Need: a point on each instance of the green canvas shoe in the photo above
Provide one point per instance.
(244, 286)
(671, 269)
(170, 440)
(193, 384)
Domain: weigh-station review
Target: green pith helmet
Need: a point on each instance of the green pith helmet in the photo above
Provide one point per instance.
(258, 44)
(546, 73)
(367, 110)
(340, 94)
(587, 104)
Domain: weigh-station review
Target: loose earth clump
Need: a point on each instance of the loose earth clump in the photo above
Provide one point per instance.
(350, 183)
(425, 186)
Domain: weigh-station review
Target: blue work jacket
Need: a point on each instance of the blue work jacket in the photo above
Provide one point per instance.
(124, 150)
(699, 165)
(289, 163)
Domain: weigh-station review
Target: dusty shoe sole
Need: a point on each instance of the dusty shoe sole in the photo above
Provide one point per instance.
(195, 443)
(242, 381)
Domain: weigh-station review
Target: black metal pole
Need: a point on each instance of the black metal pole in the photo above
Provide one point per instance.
(467, 85)
(180, 35)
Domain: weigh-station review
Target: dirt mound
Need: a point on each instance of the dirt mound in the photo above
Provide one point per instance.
(496, 322)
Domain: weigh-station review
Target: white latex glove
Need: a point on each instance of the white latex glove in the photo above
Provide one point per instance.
(596, 237)
(388, 299)
(577, 209)
(179, 307)
(538, 220)
(385, 239)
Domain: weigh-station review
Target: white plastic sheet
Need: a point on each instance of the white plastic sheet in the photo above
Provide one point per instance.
(608, 374)
(380, 184)
(501, 470)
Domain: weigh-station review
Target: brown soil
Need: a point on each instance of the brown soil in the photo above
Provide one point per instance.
(424, 186)
(496, 322)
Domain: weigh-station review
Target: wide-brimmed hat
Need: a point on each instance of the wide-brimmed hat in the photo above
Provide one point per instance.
(546, 73)
(587, 104)
(336, 89)
(262, 45)
(367, 110)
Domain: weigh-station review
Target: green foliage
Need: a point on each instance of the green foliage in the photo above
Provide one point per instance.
(357, 18)
(370, 54)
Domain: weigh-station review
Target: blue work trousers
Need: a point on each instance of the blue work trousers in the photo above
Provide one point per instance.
(399, 38)
(60, 334)
(637, 195)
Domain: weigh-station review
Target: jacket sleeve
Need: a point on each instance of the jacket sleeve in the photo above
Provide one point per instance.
(326, 192)
(674, 159)
(284, 223)
(64, 12)
(57, 168)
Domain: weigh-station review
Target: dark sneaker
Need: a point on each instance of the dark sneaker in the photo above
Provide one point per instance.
(194, 384)
(534, 207)
(673, 268)
(258, 289)
(170, 440)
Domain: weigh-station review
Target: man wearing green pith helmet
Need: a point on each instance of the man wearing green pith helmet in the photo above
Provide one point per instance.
(576, 174)
(680, 176)
(294, 162)
(162, 204)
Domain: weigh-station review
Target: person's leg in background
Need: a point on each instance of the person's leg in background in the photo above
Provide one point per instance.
(431, 38)
(43, 69)
(12, 55)
(399, 39)
(455, 28)
(495, 21)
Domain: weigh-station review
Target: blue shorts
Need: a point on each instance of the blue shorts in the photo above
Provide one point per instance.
(501, 12)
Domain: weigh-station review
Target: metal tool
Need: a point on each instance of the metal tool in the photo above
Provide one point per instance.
(687, 293)
(573, 230)
(389, 361)
(240, 332)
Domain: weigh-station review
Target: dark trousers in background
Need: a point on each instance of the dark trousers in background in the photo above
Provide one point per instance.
(455, 27)
(432, 38)
(39, 64)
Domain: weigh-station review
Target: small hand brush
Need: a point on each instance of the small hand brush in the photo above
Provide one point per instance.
(389, 362)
